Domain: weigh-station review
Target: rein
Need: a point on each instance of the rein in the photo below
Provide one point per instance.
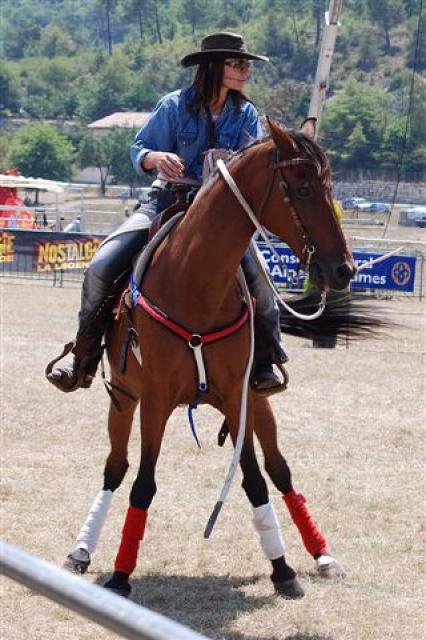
(309, 249)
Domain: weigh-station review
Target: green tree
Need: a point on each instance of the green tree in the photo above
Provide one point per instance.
(49, 86)
(5, 144)
(23, 34)
(40, 151)
(368, 51)
(356, 148)
(9, 89)
(105, 92)
(137, 9)
(121, 165)
(387, 14)
(417, 45)
(107, 7)
(55, 41)
(353, 120)
(109, 153)
(196, 13)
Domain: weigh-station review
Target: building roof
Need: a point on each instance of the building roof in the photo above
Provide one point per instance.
(127, 119)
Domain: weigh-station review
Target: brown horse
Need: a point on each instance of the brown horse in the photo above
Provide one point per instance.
(192, 276)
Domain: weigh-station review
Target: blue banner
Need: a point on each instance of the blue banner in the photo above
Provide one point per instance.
(396, 273)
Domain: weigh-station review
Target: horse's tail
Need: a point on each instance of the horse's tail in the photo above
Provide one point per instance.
(344, 318)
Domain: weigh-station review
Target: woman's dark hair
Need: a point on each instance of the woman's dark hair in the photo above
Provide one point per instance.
(207, 83)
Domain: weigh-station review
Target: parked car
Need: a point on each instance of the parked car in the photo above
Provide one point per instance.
(373, 207)
(414, 216)
(351, 203)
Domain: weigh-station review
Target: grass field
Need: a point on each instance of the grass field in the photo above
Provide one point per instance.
(351, 426)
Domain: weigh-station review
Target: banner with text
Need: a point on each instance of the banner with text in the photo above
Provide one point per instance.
(44, 252)
(396, 273)
(47, 252)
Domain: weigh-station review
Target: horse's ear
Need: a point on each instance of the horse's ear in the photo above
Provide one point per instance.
(280, 137)
(309, 128)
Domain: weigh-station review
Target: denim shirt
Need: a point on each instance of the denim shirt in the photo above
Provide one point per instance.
(173, 127)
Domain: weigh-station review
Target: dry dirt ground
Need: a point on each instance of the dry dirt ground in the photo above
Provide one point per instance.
(351, 426)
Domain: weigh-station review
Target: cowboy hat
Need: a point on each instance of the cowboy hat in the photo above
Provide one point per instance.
(218, 46)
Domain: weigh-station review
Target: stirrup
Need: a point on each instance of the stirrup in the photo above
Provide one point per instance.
(83, 379)
(272, 390)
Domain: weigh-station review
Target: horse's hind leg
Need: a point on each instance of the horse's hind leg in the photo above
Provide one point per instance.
(119, 427)
(265, 521)
(314, 541)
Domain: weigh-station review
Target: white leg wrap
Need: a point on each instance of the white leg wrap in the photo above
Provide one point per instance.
(266, 524)
(91, 530)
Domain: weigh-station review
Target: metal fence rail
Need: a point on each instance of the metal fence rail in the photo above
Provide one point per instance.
(96, 603)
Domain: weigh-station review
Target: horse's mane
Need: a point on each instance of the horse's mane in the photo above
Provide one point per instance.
(306, 144)
(315, 153)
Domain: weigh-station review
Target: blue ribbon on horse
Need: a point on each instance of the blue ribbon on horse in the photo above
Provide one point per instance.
(201, 390)
(134, 288)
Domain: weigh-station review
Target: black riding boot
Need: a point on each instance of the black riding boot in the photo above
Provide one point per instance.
(268, 345)
(97, 301)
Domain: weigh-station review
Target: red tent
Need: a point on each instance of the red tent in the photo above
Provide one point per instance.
(17, 218)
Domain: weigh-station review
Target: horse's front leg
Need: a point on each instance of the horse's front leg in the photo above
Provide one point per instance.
(119, 428)
(153, 421)
(314, 541)
(264, 518)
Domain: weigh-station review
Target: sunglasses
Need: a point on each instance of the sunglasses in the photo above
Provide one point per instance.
(239, 64)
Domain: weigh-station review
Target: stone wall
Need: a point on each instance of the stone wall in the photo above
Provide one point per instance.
(408, 192)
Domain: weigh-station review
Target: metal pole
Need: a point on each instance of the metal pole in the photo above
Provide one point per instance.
(324, 61)
(126, 618)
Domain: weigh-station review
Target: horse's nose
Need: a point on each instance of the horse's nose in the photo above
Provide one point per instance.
(344, 273)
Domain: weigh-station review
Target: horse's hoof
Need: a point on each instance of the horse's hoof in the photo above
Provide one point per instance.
(328, 567)
(77, 561)
(119, 584)
(290, 589)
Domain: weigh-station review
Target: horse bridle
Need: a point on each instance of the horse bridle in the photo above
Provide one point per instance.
(308, 249)
(277, 165)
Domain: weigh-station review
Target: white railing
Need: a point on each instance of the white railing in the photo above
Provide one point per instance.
(56, 219)
(90, 600)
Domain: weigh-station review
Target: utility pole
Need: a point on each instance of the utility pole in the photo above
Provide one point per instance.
(324, 60)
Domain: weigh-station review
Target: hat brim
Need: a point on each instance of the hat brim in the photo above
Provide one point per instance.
(219, 54)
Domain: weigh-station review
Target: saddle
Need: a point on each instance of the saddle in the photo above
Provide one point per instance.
(184, 197)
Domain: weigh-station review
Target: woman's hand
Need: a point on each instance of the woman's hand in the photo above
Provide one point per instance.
(168, 164)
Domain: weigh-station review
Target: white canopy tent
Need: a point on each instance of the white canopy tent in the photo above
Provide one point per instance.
(20, 182)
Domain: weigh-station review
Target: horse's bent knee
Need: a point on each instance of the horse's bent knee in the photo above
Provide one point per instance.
(143, 492)
(114, 474)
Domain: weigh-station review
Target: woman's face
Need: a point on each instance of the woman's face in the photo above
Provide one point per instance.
(236, 72)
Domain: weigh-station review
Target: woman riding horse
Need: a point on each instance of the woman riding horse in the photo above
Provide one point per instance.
(286, 179)
(212, 113)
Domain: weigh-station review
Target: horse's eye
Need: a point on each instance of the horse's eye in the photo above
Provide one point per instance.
(304, 191)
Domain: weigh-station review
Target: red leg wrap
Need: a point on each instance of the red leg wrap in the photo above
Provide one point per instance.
(312, 537)
(131, 536)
